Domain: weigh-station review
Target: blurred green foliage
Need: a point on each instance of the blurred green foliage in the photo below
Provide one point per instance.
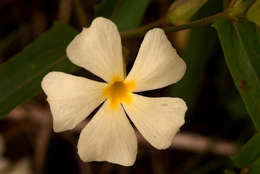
(21, 76)
(126, 14)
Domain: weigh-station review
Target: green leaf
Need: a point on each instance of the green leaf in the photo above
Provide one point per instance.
(255, 168)
(241, 46)
(248, 153)
(21, 76)
(126, 14)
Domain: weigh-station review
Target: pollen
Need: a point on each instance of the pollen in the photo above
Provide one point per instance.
(119, 91)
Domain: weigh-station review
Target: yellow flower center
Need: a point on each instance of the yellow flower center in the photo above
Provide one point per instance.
(118, 91)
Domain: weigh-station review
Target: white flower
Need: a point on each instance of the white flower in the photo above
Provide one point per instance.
(109, 135)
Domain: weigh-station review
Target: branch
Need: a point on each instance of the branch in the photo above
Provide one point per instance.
(137, 32)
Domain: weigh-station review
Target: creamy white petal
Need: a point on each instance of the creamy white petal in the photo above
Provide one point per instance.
(157, 64)
(158, 119)
(71, 98)
(98, 49)
(110, 137)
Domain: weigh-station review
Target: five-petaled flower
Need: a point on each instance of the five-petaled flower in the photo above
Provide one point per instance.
(109, 135)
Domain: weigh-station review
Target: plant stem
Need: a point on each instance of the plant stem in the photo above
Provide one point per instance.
(197, 23)
(140, 31)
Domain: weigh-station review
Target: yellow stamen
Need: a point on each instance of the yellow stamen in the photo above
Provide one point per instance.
(119, 91)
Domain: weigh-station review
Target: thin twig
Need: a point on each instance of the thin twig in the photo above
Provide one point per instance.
(197, 23)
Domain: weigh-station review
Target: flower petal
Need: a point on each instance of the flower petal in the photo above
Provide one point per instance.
(110, 137)
(158, 119)
(71, 98)
(98, 49)
(157, 64)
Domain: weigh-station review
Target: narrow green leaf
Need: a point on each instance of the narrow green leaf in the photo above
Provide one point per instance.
(126, 14)
(241, 46)
(20, 77)
(248, 153)
(255, 168)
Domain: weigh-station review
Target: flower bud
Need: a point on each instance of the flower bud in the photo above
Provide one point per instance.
(240, 7)
(182, 10)
(253, 13)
